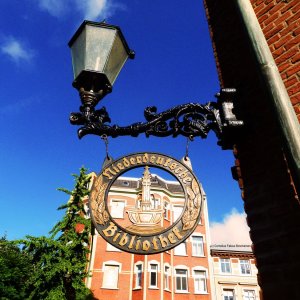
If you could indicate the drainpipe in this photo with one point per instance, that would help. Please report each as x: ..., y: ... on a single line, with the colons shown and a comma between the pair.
x: 285, y: 114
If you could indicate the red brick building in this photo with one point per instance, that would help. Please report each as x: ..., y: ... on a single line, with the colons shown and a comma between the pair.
x: 181, y: 273
x: 257, y: 51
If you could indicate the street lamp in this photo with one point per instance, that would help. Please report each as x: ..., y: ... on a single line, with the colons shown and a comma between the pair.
x: 99, y: 51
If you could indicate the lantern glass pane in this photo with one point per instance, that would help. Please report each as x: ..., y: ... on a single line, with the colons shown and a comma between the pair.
x: 78, y: 53
x: 91, y: 49
x: 98, y: 47
x: 117, y: 59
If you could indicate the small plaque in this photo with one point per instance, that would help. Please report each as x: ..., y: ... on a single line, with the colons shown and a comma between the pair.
x: 145, y: 230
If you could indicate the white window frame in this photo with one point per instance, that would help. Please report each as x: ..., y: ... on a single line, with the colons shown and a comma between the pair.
x: 228, y: 290
x: 222, y: 260
x: 111, y: 206
x: 203, y: 277
x: 181, y: 268
x: 247, y: 291
x: 114, y: 264
x: 166, y: 209
x: 173, y: 211
x: 155, y: 264
x: 180, y: 250
x: 200, y: 245
x: 138, y: 274
x: 245, y: 265
x: 111, y: 248
x: 167, y: 276
x: 155, y: 202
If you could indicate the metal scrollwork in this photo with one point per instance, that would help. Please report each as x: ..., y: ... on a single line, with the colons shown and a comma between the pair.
x: 190, y: 120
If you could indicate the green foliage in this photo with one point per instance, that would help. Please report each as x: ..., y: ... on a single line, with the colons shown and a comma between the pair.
x: 59, y: 261
x: 15, y: 266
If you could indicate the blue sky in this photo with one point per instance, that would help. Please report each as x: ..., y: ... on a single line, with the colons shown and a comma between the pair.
x: 40, y: 150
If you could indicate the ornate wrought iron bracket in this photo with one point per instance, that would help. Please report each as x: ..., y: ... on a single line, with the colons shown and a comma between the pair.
x: 190, y: 120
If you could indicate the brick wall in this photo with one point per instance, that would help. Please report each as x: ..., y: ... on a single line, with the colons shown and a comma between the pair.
x: 280, y: 22
x: 270, y: 200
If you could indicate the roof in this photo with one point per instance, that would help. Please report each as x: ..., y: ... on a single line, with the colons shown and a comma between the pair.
x: 173, y: 187
x: 231, y: 253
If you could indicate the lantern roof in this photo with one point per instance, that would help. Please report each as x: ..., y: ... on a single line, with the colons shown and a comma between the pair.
x: 130, y: 52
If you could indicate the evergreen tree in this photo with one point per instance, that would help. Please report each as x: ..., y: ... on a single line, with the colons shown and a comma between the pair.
x: 60, y: 260
x: 15, y: 266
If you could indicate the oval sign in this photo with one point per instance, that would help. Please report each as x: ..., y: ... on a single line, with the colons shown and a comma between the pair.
x: 145, y: 235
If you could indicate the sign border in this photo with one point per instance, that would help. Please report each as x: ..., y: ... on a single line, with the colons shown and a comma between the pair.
x: 148, y: 243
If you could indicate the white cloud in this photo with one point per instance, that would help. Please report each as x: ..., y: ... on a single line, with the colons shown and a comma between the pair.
x: 16, y: 50
x: 94, y: 10
x: 231, y: 233
x: 53, y: 7
x: 97, y: 10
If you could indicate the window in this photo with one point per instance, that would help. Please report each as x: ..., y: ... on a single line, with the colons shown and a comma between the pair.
x: 177, y: 210
x: 228, y: 295
x: 166, y: 277
x: 225, y: 265
x: 166, y: 208
x: 110, y: 247
x: 138, y: 275
x: 180, y: 249
x: 153, y: 275
x: 110, y: 276
x: 197, y: 246
x: 249, y: 295
x: 181, y: 280
x: 155, y: 203
x: 87, y: 213
x: 200, y: 281
x: 154, y: 180
x: 117, y: 209
x: 245, y: 267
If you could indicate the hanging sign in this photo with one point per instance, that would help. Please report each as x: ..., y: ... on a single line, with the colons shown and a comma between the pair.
x: 142, y: 221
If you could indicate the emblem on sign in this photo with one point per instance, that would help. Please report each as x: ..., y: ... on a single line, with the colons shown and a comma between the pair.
x: 138, y: 214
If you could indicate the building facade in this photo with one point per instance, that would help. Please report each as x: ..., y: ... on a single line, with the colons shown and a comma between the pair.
x: 256, y: 47
x: 181, y: 273
x: 235, y: 275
